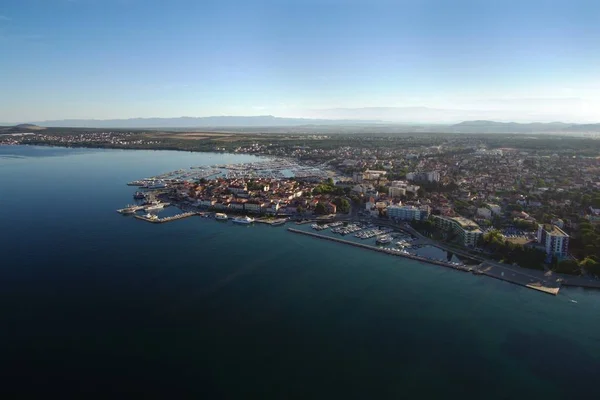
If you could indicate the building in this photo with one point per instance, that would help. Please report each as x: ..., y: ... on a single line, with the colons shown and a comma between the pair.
x: 431, y: 176
x: 394, y: 191
x: 255, y: 206
x: 408, y: 213
x: 404, y: 185
x: 554, y: 240
x: 370, y: 175
x: 467, y: 230
x: 496, y: 210
x: 330, y: 208
x: 236, y: 189
x: 484, y: 212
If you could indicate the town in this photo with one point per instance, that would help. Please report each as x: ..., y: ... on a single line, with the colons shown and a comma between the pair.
x: 530, y: 200
x: 535, y: 209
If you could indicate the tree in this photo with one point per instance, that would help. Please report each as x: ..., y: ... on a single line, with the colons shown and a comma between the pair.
x: 320, y: 208
x: 590, y: 265
x: 568, y: 267
x: 342, y: 205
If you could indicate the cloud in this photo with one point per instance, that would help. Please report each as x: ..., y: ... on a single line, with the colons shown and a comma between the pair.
x: 4, y: 18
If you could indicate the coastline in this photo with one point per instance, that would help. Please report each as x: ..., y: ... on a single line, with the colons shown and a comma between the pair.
x: 492, y: 271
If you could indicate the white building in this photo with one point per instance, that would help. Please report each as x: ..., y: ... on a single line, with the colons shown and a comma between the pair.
x: 408, y: 213
x: 430, y: 176
x: 554, y: 239
x: 467, y: 230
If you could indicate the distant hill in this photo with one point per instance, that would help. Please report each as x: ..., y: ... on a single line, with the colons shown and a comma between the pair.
x: 513, y: 127
x: 21, y: 128
x: 196, y: 122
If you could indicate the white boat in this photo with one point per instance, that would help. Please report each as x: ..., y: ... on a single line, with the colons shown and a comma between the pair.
x: 221, y: 217
x: 156, y: 185
x: 243, y: 220
x: 155, y: 207
x: 384, y: 240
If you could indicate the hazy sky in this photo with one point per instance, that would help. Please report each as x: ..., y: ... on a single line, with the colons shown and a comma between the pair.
x: 525, y: 59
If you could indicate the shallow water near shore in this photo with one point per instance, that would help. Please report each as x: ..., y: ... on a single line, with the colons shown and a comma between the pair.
x: 94, y: 301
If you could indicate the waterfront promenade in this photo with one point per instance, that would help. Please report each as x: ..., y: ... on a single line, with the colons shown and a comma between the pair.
x: 506, y: 274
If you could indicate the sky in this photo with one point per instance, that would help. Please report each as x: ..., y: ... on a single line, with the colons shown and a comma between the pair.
x: 510, y: 60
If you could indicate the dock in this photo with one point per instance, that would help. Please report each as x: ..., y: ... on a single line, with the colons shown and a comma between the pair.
x: 130, y: 210
x: 157, y: 220
x: 494, y: 271
x: 272, y: 222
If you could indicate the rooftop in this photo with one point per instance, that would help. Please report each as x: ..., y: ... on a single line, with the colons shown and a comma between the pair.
x: 466, y: 224
x: 554, y: 230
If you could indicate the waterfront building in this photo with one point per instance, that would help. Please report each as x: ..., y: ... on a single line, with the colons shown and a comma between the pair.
x: 207, y: 202
x: 237, y: 205
x: 255, y: 206
x: 554, y: 240
x: 273, y: 208
x: 408, y: 213
x: 467, y: 230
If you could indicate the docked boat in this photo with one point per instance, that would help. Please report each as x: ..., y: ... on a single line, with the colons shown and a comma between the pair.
x: 128, y: 210
x: 155, y: 206
x: 155, y: 185
x: 384, y: 240
x: 139, y: 195
x: 243, y: 220
x: 278, y: 223
x: 221, y: 217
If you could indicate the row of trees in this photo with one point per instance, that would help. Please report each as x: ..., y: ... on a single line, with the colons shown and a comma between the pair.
x: 526, y: 257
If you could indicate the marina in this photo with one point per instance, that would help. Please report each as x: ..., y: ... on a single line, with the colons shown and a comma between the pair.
x: 276, y: 169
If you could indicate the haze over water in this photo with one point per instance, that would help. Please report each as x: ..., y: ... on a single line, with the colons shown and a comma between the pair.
x: 96, y: 302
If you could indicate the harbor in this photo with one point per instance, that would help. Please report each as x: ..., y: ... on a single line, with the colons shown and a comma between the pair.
x: 269, y: 169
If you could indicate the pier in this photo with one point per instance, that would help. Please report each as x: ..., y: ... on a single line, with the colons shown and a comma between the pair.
x: 130, y: 210
x: 157, y: 220
x: 494, y: 271
x: 272, y: 222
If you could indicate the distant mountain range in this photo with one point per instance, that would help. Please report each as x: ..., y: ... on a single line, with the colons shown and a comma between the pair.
x: 272, y: 124
x: 513, y: 127
x: 196, y: 122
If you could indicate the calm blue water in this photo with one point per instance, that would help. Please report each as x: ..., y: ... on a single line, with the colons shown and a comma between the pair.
x: 95, y: 302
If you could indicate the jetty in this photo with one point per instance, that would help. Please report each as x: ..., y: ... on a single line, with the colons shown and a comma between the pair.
x: 130, y: 209
x: 155, y: 220
x: 487, y: 269
x: 272, y: 222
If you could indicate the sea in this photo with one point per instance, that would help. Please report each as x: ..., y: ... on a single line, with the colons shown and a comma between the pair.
x: 96, y: 303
